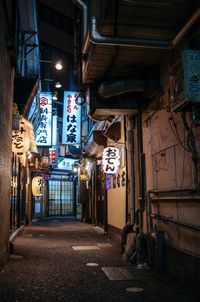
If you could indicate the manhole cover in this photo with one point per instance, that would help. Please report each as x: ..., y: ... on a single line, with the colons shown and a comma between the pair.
x: 118, y: 273
x: 92, y: 264
x: 85, y: 247
x: 135, y: 289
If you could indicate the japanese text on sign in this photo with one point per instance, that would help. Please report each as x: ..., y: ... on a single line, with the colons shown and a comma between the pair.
x: 43, y: 134
x: 111, y: 160
x: 71, y: 119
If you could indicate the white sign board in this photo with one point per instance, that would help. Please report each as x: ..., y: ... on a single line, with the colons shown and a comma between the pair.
x: 71, y: 134
x: 67, y: 163
x: 111, y: 160
x: 44, y: 131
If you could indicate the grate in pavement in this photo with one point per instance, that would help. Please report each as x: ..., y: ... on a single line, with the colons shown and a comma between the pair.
x: 118, y: 273
x: 104, y: 245
x: 85, y: 247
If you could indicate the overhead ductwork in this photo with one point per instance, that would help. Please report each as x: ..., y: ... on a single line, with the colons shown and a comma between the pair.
x: 113, y: 88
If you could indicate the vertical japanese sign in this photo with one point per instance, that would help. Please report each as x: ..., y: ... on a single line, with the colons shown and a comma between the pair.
x: 110, y: 160
x: 20, y: 140
x: 71, y: 134
x: 43, y: 134
x: 52, y: 156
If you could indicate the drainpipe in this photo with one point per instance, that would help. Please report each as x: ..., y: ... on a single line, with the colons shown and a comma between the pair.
x: 130, y: 166
x: 81, y: 4
x: 142, y: 174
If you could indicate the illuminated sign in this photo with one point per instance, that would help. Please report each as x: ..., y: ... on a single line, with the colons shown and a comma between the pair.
x: 52, y: 156
x: 67, y: 163
x: 110, y: 160
x: 43, y: 133
x: 71, y: 134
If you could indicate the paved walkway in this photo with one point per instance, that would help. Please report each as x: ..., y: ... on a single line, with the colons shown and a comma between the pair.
x: 50, y: 264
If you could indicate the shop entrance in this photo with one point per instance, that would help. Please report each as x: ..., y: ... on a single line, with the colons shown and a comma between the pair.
x: 62, y: 198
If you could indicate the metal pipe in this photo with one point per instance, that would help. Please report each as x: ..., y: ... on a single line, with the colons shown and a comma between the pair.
x: 186, y: 27
x: 172, y: 191
x: 188, y: 198
x: 82, y: 5
x: 130, y: 167
x: 183, y: 224
x: 97, y: 38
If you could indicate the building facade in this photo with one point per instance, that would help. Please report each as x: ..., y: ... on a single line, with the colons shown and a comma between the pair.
x: 146, y: 71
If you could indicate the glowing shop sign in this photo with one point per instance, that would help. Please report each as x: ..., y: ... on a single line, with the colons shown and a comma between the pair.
x: 71, y: 134
x: 111, y: 160
x: 67, y: 163
x: 38, y: 185
x: 52, y: 156
x: 43, y: 134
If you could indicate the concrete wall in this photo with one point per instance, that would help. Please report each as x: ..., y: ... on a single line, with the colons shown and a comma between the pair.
x: 169, y: 166
x: 6, y: 96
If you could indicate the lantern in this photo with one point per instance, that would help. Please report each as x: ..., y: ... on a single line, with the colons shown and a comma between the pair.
x: 38, y: 185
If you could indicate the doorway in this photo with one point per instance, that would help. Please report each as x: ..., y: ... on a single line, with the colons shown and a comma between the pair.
x: 62, y: 198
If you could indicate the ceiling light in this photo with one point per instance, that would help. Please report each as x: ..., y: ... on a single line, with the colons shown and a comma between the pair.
x: 59, y: 65
x: 58, y: 85
x: 55, y: 96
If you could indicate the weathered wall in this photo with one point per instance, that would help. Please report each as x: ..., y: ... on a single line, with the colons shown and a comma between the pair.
x: 170, y: 168
x: 116, y: 197
x: 6, y: 95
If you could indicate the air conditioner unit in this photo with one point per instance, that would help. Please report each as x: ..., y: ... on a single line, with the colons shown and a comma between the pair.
x: 185, y: 80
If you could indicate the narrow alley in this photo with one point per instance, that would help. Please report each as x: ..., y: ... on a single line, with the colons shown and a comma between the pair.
x: 62, y: 259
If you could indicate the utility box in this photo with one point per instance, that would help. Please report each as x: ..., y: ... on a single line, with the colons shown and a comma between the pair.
x: 185, y: 80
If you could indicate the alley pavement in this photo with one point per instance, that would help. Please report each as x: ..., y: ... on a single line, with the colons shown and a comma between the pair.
x: 70, y: 261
